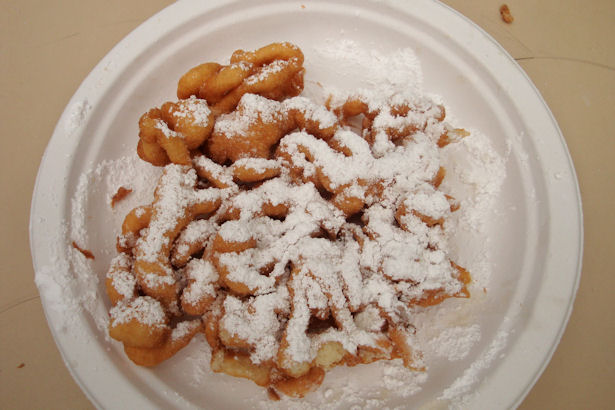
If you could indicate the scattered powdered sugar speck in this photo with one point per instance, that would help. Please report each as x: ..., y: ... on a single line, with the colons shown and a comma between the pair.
x: 77, y: 115
x: 459, y: 390
x: 397, y: 378
x: 73, y: 283
x: 455, y: 343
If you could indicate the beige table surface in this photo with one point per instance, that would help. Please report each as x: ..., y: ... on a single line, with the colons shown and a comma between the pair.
x: 565, y: 46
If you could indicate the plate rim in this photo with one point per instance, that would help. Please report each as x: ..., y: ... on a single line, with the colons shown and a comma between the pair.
x: 577, y: 194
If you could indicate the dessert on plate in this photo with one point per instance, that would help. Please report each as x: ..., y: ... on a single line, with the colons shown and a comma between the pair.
x: 296, y: 235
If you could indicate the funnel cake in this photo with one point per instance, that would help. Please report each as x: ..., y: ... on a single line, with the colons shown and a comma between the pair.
x: 296, y: 236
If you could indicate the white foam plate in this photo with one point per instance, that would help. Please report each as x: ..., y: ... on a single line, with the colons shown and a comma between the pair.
x: 535, y: 240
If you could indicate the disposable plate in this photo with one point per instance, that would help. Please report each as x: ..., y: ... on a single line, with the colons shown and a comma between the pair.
x: 535, y: 234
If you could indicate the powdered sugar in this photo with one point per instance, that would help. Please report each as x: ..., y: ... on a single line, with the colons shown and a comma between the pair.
x: 470, y: 377
x: 398, y: 70
x: 176, y: 194
x: 77, y: 115
x: 397, y: 378
x: 144, y: 309
x: 270, y: 70
x: 455, y: 343
x: 257, y: 324
x: 195, y: 110
x: 56, y: 285
x: 479, y: 169
x: 251, y: 107
x: 311, y: 111
x: 121, y: 279
x: 257, y: 165
x: 182, y: 329
x: 398, y: 65
x: 203, y: 277
x: 429, y: 202
x: 71, y: 283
